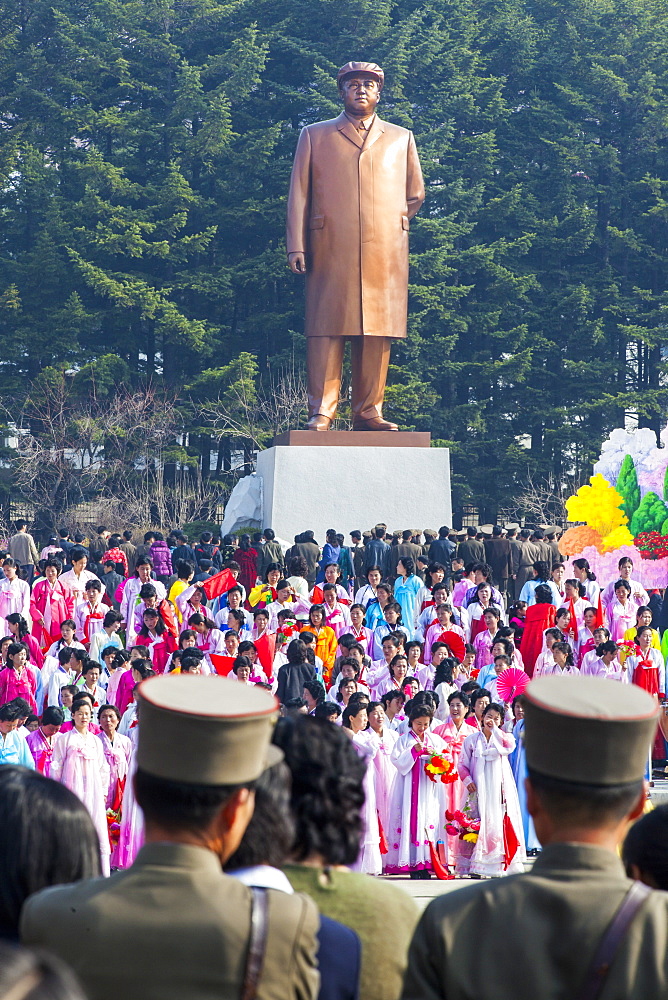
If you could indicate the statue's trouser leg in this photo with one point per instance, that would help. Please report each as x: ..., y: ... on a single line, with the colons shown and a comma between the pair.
x: 370, y: 358
x: 324, y: 361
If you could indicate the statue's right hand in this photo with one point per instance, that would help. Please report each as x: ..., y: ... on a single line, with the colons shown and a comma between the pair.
x: 297, y: 262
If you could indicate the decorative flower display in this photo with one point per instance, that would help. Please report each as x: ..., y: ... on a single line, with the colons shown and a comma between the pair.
x: 441, y: 767
x: 462, y: 826
x: 652, y: 545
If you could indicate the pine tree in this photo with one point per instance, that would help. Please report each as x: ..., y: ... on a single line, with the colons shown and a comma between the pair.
x: 650, y: 515
x: 627, y: 485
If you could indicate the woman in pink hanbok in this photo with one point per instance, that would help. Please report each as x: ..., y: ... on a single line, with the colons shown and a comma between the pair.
x: 117, y: 751
x: 545, y: 660
x: 621, y: 611
x: 51, y: 604
x: 385, y: 773
x: 337, y: 615
x: 131, y: 836
x: 418, y: 804
x: 564, y: 662
x: 453, y: 732
x: 492, y: 796
x: 42, y: 741
x: 18, y: 679
x: 354, y: 723
x: 78, y: 761
x: 18, y: 628
x: 358, y: 629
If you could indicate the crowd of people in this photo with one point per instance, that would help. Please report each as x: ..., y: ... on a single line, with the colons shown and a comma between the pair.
x: 411, y: 643
x: 395, y: 646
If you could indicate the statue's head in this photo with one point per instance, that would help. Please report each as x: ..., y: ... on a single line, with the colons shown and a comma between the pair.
x: 360, y: 84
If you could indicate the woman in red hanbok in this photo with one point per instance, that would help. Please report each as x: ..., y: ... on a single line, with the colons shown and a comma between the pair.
x: 539, y: 617
x: 51, y: 604
x: 453, y: 732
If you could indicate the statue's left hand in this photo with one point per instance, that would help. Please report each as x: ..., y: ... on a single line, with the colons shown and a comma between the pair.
x: 297, y: 262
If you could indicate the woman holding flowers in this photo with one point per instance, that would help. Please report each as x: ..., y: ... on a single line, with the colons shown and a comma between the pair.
x: 417, y: 814
x: 453, y: 732
x: 492, y: 798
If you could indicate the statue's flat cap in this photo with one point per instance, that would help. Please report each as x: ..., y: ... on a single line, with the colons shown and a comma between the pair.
x: 351, y: 68
x: 205, y: 730
x: 588, y: 730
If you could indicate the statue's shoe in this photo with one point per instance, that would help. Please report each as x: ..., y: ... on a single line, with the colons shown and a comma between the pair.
x: 374, y: 424
x: 318, y: 422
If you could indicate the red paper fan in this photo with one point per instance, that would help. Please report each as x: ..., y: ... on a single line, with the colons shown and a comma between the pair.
x: 455, y: 643
x: 511, y: 682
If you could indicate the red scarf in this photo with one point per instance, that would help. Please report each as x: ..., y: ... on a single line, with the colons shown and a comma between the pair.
x: 93, y: 616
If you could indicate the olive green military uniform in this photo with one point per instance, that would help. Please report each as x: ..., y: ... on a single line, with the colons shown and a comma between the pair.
x: 174, y: 927
x: 534, y: 935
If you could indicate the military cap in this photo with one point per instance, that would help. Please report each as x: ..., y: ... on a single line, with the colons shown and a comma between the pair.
x: 205, y: 730
x: 352, y: 68
x: 588, y: 730
x: 486, y: 529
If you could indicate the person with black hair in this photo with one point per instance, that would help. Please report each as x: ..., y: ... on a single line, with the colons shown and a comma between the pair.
x: 295, y: 674
x: 314, y: 694
x: 46, y: 838
x: 265, y: 847
x: 107, y: 637
x: 76, y: 578
x: 13, y: 746
x: 18, y: 679
x: 79, y: 762
x: 326, y: 799
x: 194, y: 783
x: 645, y: 849
x: 539, y: 617
x: 486, y: 774
x: 327, y: 711
x: 418, y: 802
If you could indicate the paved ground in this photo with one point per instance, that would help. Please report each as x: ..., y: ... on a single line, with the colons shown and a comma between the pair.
x: 423, y: 891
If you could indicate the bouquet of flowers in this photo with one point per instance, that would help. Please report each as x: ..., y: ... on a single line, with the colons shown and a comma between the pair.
x: 462, y: 826
x: 439, y: 766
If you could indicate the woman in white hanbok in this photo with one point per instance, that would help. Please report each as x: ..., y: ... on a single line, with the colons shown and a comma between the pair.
x: 488, y: 778
x: 418, y: 804
x: 385, y: 773
x: 354, y: 724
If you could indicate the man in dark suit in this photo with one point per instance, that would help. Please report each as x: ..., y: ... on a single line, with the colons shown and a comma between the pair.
x: 471, y: 550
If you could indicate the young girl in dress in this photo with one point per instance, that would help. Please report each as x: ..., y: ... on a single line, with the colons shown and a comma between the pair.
x: 159, y: 642
x: 545, y: 661
x: 358, y: 629
x: 646, y: 668
x: 492, y: 798
x: 418, y: 805
x: 78, y: 761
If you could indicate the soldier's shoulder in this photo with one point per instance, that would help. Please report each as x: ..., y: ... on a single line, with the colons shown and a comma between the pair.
x: 61, y: 902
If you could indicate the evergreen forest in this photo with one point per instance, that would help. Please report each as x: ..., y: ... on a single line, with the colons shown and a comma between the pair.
x: 145, y: 154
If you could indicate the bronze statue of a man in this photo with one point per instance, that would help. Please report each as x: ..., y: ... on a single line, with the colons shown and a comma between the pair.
x: 356, y: 184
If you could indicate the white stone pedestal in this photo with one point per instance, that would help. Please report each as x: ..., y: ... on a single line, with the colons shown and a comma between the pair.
x: 320, y: 487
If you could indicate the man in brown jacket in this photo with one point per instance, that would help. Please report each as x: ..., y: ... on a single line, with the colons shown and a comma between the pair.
x: 356, y: 184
